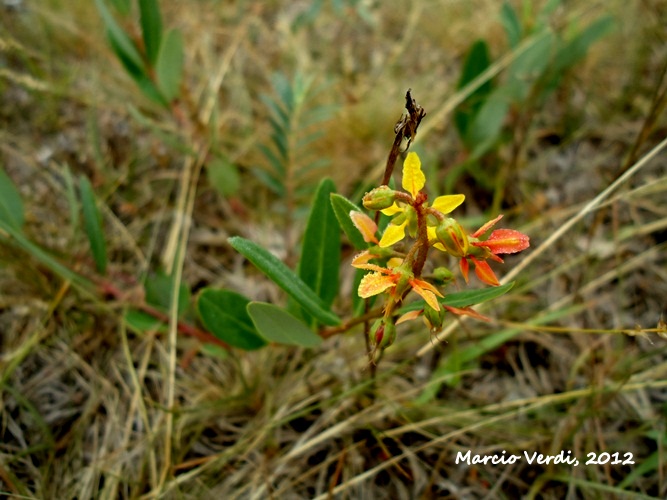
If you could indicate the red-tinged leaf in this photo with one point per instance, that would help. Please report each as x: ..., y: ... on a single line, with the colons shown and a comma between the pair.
x: 506, y: 241
x: 466, y: 311
x: 485, y: 273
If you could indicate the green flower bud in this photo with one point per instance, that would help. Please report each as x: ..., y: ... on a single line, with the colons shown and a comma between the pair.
x: 443, y: 275
x: 382, y: 334
x: 434, y: 318
x: 453, y: 237
x: 379, y: 198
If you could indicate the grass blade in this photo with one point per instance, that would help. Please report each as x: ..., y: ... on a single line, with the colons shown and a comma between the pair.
x: 93, y: 224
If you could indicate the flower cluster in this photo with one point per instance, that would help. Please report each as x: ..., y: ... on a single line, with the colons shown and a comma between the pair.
x: 428, y: 226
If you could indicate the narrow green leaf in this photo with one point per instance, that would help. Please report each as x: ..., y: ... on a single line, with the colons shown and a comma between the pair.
x: 320, y: 252
x: 283, y: 88
x: 151, y: 28
x: 92, y: 222
x: 120, y: 40
x: 72, y: 200
x: 279, y: 326
x: 511, y: 23
x: 224, y: 314
x: 223, y: 176
x: 484, y: 130
x: 285, y: 278
x: 575, y: 49
x: 342, y: 208
x: 11, y: 205
x: 122, y: 6
x: 169, y: 65
x: 463, y: 299
x: 529, y: 66
x: 476, y: 62
x: 19, y: 239
x: 158, y: 287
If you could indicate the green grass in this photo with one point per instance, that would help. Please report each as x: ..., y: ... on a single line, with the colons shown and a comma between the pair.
x: 572, y: 360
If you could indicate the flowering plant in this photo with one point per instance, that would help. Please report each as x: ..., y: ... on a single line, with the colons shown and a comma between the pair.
x: 429, y: 227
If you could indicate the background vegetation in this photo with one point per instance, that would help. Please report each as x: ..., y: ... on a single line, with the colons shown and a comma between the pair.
x: 133, y: 180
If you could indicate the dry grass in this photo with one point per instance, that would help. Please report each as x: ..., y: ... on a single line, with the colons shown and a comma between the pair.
x: 90, y: 409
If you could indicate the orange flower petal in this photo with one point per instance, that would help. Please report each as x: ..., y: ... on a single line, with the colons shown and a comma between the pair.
x: 486, y: 227
x: 466, y: 311
x: 465, y: 267
x: 375, y: 283
x: 505, y: 241
x: 426, y: 293
x: 409, y: 316
x: 366, y: 226
x: 485, y: 273
x: 361, y: 262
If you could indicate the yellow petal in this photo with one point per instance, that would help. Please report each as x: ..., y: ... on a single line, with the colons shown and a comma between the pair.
x: 428, y: 292
x: 374, y: 283
x: 413, y: 177
x: 394, y: 262
x: 365, y: 225
x: 393, y: 234
x: 394, y: 209
x: 447, y: 203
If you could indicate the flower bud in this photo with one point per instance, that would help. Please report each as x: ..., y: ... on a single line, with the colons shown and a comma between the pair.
x: 433, y: 318
x: 442, y: 275
x: 379, y: 198
x: 453, y: 237
x: 382, y: 334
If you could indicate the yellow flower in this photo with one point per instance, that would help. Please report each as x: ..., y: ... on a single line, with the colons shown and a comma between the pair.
x: 404, y: 214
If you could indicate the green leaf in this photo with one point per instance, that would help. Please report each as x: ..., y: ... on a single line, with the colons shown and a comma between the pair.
x: 223, y: 176
x: 463, y: 299
x: 120, y: 41
x: 285, y: 278
x: 169, y: 65
x: 476, y: 62
x: 142, y: 322
x: 277, y: 325
x: 92, y: 222
x: 19, y: 239
x: 342, y: 208
x: 72, y: 200
x: 11, y: 205
x: 511, y: 23
x: 529, y: 66
x: 151, y: 28
x: 486, y: 126
x: 576, y: 49
x: 158, y: 288
x: 320, y: 252
x: 122, y: 6
x: 224, y: 314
